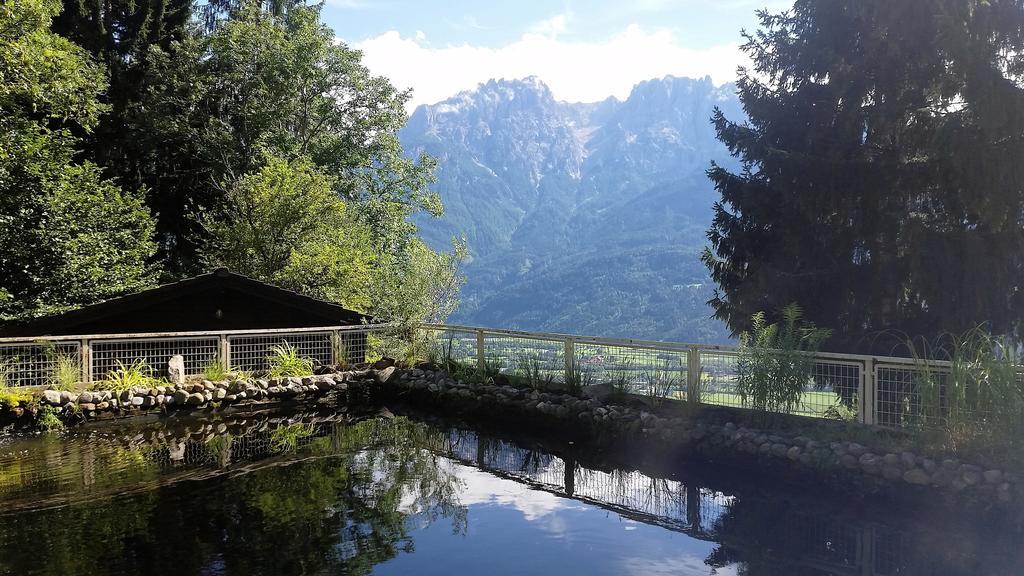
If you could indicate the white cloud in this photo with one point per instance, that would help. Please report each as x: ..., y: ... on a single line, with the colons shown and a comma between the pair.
x: 553, y: 26
x: 576, y: 71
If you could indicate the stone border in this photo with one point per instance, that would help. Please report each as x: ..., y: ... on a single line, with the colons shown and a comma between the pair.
x: 594, y: 413
x: 89, y: 405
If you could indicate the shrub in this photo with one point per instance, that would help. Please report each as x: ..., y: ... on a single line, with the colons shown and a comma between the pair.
x: 285, y: 361
x: 576, y: 378
x: 776, y: 360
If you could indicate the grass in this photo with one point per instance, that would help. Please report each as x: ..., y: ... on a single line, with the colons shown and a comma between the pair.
x: 67, y: 371
x: 216, y: 370
x: 528, y: 367
x: 340, y: 352
x: 285, y: 362
x: 128, y: 376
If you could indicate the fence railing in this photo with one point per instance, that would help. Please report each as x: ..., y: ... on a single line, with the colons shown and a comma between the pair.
x: 32, y: 362
x: 869, y: 389
x: 875, y: 390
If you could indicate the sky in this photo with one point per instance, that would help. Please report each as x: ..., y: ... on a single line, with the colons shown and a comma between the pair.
x: 584, y: 51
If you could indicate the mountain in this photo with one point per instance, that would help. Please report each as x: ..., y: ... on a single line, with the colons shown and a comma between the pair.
x: 580, y: 217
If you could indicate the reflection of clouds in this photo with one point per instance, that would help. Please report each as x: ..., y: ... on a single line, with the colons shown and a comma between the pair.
x: 673, y: 566
x: 480, y: 488
x: 483, y: 488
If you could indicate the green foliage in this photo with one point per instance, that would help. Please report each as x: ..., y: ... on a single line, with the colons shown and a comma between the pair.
x: 340, y: 352
x: 9, y: 397
x: 285, y: 225
x: 285, y: 361
x: 68, y: 236
x: 976, y: 401
x: 577, y: 378
x: 287, y: 438
x: 67, y: 370
x: 776, y: 363
x: 662, y: 381
x: 216, y: 370
x: 528, y: 367
x: 128, y: 376
x: 276, y: 84
x: 47, y: 419
x: 879, y: 167
x: 621, y: 381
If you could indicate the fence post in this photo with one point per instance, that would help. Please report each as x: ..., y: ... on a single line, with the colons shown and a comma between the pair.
x: 480, y: 363
x: 693, y: 375
x: 335, y: 346
x: 868, y: 392
x: 225, y: 351
x: 570, y: 359
x: 85, y: 357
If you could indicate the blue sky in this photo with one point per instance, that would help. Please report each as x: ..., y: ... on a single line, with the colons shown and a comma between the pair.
x: 584, y: 50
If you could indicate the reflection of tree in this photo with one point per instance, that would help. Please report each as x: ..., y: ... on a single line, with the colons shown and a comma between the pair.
x: 768, y: 537
x: 345, y: 503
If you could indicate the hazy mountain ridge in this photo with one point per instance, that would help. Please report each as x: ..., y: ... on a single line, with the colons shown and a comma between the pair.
x: 585, y: 218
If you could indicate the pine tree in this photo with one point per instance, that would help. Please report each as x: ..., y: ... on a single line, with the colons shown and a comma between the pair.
x: 882, y: 184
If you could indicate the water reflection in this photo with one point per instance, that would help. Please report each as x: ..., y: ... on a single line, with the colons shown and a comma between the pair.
x: 318, y: 494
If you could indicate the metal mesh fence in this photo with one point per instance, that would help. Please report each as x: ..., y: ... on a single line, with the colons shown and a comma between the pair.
x: 638, y: 370
x: 33, y: 364
x: 251, y: 353
x: 110, y: 355
x: 889, y: 392
x: 532, y: 360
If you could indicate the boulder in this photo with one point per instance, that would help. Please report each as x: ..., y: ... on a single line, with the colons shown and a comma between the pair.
x: 599, y: 392
x: 386, y: 375
x: 917, y: 477
x: 176, y: 369
x: 51, y: 397
x: 180, y: 397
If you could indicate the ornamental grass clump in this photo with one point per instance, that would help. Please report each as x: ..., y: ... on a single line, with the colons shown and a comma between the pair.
x: 138, y: 374
x: 776, y: 361
x: 285, y: 361
x: 968, y: 389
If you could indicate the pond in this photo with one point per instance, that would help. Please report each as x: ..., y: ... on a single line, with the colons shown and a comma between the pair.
x: 333, y: 494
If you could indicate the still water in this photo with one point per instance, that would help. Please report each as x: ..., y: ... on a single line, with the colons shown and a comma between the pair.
x: 323, y: 494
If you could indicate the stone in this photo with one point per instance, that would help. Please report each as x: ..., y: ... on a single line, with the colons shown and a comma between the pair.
x: 856, y: 449
x: 219, y: 394
x: 908, y: 460
x: 599, y: 392
x: 386, y: 375
x: 891, y: 460
x: 971, y: 477
x: 51, y: 397
x: 85, y: 397
x: 993, y: 476
x: 180, y: 397
x: 848, y: 461
x: 917, y: 477
x: 890, y: 472
x: 147, y: 401
x: 87, y: 407
x: 176, y: 369
x: 195, y: 399
x: 103, y: 405
x: 779, y: 449
x: 137, y: 401
x: 793, y: 453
